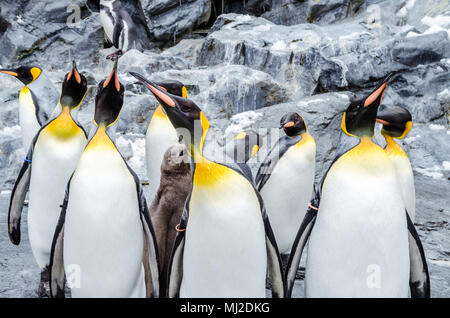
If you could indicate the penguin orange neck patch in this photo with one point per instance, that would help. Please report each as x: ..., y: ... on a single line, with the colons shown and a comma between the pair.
x: 101, y: 140
x: 159, y: 112
x: 63, y: 127
x: 208, y: 173
x: 392, y: 148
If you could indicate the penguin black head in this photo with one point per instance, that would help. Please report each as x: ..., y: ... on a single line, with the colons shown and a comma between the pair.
x: 359, y: 118
x: 109, y: 99
x: 293, y: 124
x: 74, y: 88
x: 183, y: 113
x: 25, y: 74
x: 173, y: 87
x: 396, y: 121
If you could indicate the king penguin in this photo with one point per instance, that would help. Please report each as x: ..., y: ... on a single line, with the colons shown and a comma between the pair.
x: 224, y: 244
x: 397, y: 122
x: 50, y: 161
x: 119, y: 27
x: 362, y: 243
x: 37, y: 99
x: 104, y: 234
x: 160, y: 136
x: 243, y: 146
x: 285, y: 180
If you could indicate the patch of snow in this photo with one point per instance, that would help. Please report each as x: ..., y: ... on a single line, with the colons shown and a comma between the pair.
x: 432, y: 172
x: 138, y: 158
x: 5, y: 192
x: 436, y: 127
x: 439, y: 262
x: 262, y: 28
x: 437, y: 24
x: 279, y: 46
x: 444, y: 96
x: 446, y: 165
x: 11, y: 132
x: 404, y: 10
x: 242, y: 121
x: 412, y: 138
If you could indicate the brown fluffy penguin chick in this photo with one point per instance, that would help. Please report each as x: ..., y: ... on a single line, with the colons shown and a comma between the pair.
x: 168, y: 204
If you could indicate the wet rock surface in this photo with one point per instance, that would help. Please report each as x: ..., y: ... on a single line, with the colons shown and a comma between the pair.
x: 255, y: 63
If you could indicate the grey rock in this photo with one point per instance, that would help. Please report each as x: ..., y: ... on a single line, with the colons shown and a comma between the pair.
x: 170, y: 20
x: 423, y: 49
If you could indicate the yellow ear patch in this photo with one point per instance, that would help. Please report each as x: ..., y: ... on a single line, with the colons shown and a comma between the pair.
x: 35, y: 72
x: 344, y: 126
x: 205, y: 126
x: 407, y: 129
x: 184, y: 92
x: 240, y: 136
x: 255, y: 149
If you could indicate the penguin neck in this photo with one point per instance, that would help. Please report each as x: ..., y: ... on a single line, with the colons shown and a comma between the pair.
x: 101, y: 140
x: 63, y: 126
x: 159, y: 113
x: 392, y: 148
x: 206, y: 172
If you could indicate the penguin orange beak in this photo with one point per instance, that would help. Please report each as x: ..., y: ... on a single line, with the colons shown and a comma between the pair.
x: 383, y: 122
x: 113, y: 77
x: 288, y: 124
x: 75, y: 73
x: 159, y: 92
x: 9, y: 72
x: 376, y: 97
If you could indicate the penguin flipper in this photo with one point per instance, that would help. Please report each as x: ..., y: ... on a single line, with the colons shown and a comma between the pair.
x: 175, y: 269
x: 18, y: 198
x: 151, y: 261
x: 297, y: 249
x: 272, y: 158
x: 56, y: 266
x: 419, y: 280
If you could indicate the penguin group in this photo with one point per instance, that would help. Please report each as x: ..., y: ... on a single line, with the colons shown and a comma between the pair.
x: 212, y: 229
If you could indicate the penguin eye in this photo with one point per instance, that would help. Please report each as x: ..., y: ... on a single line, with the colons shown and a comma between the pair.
x: 185, y: 108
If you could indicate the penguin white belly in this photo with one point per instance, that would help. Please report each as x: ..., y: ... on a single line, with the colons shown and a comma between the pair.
x: 103, y: 235
x: 27, y: 117
x: 107, y: 23
x: 225, y: 249
x: 53, y: 163
x: 359, y: 244
x: 159, y: 137
x: 406, y: 179
x: 287, y: 192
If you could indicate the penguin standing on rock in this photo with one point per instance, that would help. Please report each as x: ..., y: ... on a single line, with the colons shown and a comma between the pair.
x: 119, y: 27
x: 225, y: 243
x: 363, y: 243
x: 104, y: 227
x: 285, y: 180
x: 37, y: 99
x: 160, y: 136
x: 397, y: 122
x: 53, y: 155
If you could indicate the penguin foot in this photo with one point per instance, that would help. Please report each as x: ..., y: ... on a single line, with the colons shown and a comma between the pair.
x: 115, y: 56
x: 44, y: 285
